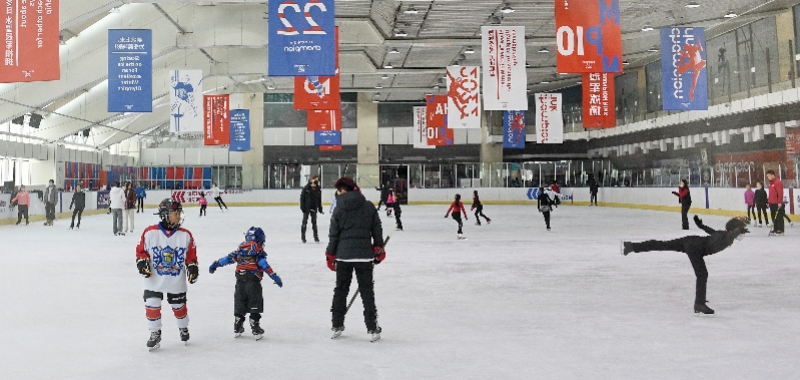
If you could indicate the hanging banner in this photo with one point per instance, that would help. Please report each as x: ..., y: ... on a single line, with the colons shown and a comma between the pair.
x: 302, y: 38
x: 30, y: 41
x: 514, y: 129
x: 421, y: 128
x: 549, y: 120
x: 319, y: 93
x: 437, y: 110
x: 598, y: 101
x: 683, y: 69
x: 463, y: 97
x: 505, y: 79
x: 324, y: 120
x: 328, y: 138
x: 217, y: 122
x: 588, y: 36
x: 186, y: 101
x: 130, y: 70
x: 240, y: 130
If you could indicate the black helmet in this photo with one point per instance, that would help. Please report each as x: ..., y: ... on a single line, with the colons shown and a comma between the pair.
x: 165, y: 207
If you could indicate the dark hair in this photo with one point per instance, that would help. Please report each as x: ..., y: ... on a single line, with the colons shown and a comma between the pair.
x: 735, y: 223
x: 202, y: 194
x: 770, y: 171
x: 685, y: 182
x: 458, y: 197
x: 116, y: 183
x: 475, y: 192
x: 346, y: 183
x: 760, y: 183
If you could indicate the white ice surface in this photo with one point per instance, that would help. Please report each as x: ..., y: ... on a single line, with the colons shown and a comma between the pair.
x: 512, y: 302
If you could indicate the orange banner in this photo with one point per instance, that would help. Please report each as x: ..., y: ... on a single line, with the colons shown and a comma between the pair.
x: 437, y: 110
x: 30, y: 41
x: 324, y: 120
x: 598, y: 101
x: 217, y: 121
x: 318, y: 93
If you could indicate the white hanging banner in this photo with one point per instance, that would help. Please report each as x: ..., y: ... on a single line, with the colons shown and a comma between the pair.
x: 421, y: 128
x: 505, y: 81
x: 549, y: 120
x: 186, y: 101
x: 463, y: 97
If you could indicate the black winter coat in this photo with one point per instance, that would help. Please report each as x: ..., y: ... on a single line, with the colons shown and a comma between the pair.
x: 761, y: 197
x: 715, y: 242
x: 355, y: 228
x: 311, y: 199
x: 385, y: 193
x: 78, y: 200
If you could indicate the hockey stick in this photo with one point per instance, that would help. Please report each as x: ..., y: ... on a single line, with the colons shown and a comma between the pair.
x: 358, y: 290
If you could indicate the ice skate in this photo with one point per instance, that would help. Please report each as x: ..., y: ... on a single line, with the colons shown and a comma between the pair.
x: 702, y: 308
x: 548, y: 228
x: 155, y: 340
x: 258, y: 332
x: 462, y: 237
x: 626, y: 247
x: 184, y: 334
x: 477, y: 223
x: 375, y: 334
x: 337, y: 332
x: 488, y: 221
x: 398, y: 228
x: 238, y: 327
x: 775, y: 233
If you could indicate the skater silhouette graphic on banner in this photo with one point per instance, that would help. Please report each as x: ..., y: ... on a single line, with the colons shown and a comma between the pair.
x: 186, y: 106
x: 682, y: 52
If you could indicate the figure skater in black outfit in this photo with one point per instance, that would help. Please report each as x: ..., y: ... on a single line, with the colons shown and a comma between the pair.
x: 478, y: 207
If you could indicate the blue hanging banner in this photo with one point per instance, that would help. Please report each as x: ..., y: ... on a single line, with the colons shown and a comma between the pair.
x: 240, y: 131
x: 130, y: 70
x: 328, y: 138
x: 302, y: 38
x: 514, y: 129
x: 683, y: 69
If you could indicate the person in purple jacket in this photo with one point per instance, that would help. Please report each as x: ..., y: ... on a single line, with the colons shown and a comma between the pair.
x: 750, y: 201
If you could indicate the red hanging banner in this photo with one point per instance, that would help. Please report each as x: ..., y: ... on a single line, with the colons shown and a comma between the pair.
x: 330, y: 148
x: 588, y: 36
x: 324, y: 120
x: 217, y: 122
x: 30, y: 41
x: 437, y: 110
x: 599, y: 109
x: 319, y: 93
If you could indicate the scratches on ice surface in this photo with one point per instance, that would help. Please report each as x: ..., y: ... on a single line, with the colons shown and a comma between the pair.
x: 512, y: 302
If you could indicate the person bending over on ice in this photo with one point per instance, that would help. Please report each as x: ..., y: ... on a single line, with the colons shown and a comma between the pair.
x: 696, y: 247
x: 164, y: 251
x: 251, y: 264
x: 354, y: 244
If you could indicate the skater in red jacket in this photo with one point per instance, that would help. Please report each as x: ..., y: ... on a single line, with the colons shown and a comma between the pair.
x: 457, y: 208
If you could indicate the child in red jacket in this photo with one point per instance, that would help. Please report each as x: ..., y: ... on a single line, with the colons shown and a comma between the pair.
x: 457, y: 208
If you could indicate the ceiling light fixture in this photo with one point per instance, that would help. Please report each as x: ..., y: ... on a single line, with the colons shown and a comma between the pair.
x: 270, y: 87
x: 544, y: 50
x: 384, y: 76
x: 731, y: 14
x: 411, y: 10
x: 394, y: 51
x: 507, y: 9
x: 462, y: 57
x: 647, y: 28
x: 692, y: 4
x: 378, y: 86
x: 625, y: 63
x: 469, y: 50
x: 527, y: 64
x: 388, y: 66
x: 400, y: 33
x: 61, y: 40
x: 114, y: 10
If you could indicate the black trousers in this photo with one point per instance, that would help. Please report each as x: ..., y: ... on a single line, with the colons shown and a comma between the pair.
x: 76, y: 212
x: 753, y: 210
x: 50, y: 211
x: 220, y: 202
x: 760, y: 210
x: 397, y: 212
x: 593, y: 199
x: 692, y: 247
x: 203, y: 210
x: 382, y: 202
x: 479, y: 212
x: 248, y: 296
x: 344, y: 275
x: 685, y: 215
x: 313, y: 223
x: 22, y: 210
x: 139, y: 204
x: 777, y: 217
x: 546, y: 215
x: 457, y: 217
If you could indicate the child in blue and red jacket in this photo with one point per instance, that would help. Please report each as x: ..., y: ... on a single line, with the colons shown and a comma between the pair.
x: 251, y: 264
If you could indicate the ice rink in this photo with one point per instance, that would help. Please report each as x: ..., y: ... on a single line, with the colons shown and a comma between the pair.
x: 512, y: 302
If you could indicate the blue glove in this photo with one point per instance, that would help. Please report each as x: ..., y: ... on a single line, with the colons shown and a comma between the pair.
x: 213, y: 267
x: 274, y: 276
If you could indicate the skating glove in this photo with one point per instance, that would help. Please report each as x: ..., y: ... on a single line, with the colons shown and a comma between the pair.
x: 213, y: 267
x: 274, y: 276
x: 320, y: 212
x: 331, y: 259
x: 380, y: 254
x: 144, y: 267
x: 192, y: 272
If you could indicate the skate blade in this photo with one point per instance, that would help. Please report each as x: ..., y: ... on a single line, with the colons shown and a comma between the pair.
x: 259, y: 336
x: 236, y: 335
x: 157, y: 346
x: 336, y: 335
x: 375, y: 338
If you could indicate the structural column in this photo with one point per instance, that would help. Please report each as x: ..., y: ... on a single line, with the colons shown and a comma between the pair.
x: 368, y: 147
x: 252, y: 160
x: 491, y: 156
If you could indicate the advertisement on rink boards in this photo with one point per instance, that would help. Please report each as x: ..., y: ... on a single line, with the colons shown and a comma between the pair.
x: 302, y: 39
x: 683, y: 69
x: 192, y: 196
x: 103, y: 199
x: 504, y: 75
x: 514, y: 129
x: 30, y: 41
x: 186, y: 101
x: 319, y: 93
x: 324, y: 120
x: 463, y: 97
x: 130, y: 70
x: 5, y: 207
x: 217, y: 122
x: 588, y: 36
x: 240, y: 130
x: 549, y: 119
x: 421, y: 128
x: 598, y: 101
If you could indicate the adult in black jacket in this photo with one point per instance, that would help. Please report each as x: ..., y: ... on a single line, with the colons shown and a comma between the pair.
x: 79, y: 201
x: 761, y: 203
x: 593, y: 189
x: 696, y: 247
x: 310, y: 204
x: 384, y: 195
x: 354, y: 243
